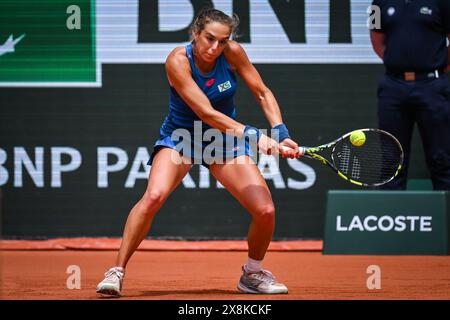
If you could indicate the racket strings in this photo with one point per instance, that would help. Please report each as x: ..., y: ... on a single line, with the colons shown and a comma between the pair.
x: 345, y: 159
x: 356, y: 169
x: 375, y: 162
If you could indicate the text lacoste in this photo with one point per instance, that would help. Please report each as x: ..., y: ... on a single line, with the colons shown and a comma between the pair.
x: 386, y: 223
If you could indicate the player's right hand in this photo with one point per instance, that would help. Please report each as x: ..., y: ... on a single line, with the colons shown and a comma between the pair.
x: 289, y: 149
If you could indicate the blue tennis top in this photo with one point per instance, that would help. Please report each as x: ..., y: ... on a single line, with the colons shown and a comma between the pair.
x: 219, y: 86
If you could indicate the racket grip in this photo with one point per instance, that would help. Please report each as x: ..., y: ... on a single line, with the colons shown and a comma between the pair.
x: 301, y: 149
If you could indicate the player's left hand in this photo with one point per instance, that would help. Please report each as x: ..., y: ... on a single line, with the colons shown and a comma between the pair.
x: 291, y: 151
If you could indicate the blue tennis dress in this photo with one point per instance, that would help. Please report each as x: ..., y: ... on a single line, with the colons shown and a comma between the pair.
x: 220, y: 87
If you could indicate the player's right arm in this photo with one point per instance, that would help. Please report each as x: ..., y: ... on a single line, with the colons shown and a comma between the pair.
x: 179, y: 74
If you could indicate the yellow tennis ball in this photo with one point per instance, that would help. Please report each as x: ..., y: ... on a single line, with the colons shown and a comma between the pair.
x: 357, y: 138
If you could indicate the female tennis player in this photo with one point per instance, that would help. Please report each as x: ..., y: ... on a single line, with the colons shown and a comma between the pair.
x: 202, y: 83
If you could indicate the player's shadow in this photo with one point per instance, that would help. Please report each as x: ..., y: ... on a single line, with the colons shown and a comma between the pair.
x: 157, y: 293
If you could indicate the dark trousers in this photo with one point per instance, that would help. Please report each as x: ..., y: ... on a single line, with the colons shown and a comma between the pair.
x: 401, y: 104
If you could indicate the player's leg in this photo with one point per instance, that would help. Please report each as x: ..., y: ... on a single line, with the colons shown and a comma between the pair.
x: 433, y: 119
x: 165, y: 175
x: 246, y: 184
x: 396, y: 116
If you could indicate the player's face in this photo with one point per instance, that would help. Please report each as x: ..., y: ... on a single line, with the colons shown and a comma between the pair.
x: 211, y: 41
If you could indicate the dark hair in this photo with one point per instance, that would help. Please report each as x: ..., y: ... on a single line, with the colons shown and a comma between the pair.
x: 208, y: 14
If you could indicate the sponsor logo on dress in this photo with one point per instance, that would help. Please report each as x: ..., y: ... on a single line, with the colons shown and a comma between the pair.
x: 224, y: 86
x: 210, y: 82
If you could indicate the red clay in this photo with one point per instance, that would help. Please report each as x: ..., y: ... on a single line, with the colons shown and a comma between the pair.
x: 214, y: 275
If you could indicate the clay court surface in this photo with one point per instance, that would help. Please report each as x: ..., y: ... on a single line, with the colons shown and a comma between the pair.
x: 204, y: 275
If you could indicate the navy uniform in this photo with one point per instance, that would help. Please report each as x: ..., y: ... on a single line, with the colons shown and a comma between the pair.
x: 415, y: 88
x: 220, y: 87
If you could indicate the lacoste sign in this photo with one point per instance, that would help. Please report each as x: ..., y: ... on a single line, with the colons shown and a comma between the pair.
x: 385, y: 223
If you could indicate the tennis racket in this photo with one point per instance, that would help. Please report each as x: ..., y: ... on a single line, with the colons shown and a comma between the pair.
x: 374, y: 163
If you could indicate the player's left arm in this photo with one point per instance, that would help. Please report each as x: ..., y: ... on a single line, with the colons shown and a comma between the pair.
x: 239, y: 60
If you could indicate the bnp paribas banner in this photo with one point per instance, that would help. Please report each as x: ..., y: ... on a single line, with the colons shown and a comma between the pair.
x: 83, y: 93
x: 66, y: 42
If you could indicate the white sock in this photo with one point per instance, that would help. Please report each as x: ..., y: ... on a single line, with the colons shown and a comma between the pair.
x: 120, y: 269
x: 253, y: 266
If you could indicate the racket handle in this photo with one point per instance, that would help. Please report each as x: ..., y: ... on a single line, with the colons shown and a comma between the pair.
x: 301, y: 149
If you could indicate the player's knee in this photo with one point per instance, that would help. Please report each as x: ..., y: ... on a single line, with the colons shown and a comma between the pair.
x: 152, y: 199
x: 265, y: 214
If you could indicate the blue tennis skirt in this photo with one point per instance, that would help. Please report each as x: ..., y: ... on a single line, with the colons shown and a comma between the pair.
x: 204, y: 152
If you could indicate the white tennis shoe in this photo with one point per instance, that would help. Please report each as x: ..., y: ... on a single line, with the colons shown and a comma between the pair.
x: 112, y: 284
x: 260, y: 282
